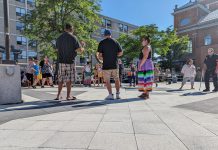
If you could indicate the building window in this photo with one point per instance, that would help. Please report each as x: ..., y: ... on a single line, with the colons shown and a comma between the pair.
x: 121, y: 27
x: 185, y: 21
x: 32, y: 43
x: 207, y: 40
x: 31, y: 2
x: 102, y: 31
x: 22, y: 1
x: 21, y: 40
x: 190, y: 46
x: 106, y: 23
x: 20, y: 11
x: 19, y: 26
x: 125, y: 28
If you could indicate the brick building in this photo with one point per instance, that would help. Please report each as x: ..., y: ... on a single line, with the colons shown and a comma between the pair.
x: 199, y: 20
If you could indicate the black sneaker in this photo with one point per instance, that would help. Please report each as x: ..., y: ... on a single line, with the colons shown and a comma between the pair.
x: 215, y: 90
x: 42, y: 87
x: 206, y: 90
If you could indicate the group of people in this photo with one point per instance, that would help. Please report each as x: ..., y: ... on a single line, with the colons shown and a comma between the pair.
x: 109, y: 50
x: 209, y: 70
x: 38, y: 73
x: 94, y: 76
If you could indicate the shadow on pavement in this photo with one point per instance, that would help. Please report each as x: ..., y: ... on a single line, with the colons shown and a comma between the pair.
x: 194, y: 94
x: 37, y: 108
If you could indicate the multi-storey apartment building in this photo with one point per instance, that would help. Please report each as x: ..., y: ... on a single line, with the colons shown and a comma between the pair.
x: 18, y: 8
x: 199, y: 20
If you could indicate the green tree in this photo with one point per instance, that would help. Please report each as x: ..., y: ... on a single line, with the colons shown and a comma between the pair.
x: 46, y: 22
x: 162, y: 42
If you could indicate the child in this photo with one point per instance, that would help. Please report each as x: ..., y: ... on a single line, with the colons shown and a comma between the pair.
x: 36, y: 73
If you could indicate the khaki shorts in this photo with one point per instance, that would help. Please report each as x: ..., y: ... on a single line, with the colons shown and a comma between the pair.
x: 66, y: 72
x: 107, y: 74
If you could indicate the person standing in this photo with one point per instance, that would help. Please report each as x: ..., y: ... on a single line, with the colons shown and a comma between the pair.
x: 67, y: 47
x: 110, y: 50
x: 121, y: 69
x: 209, y: 70
x: 29, y: 72
x: 189, y: 73
x: 47, y: 72
x: 36, y: 73
x: 145, y: 69
x: 132, y: 78
x: 87, y: 75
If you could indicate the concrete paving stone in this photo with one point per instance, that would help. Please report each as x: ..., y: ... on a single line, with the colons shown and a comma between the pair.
x: 17, y: 124
x: 113, y: 141
x: 144, y: 117
x: 116, y: 118
x: 4, y: 134
x: 47, y: 126
x: 189, y: 128
x: 88, y: 117
x: 200, y: 143
x: 24, y: 148
x: 121, y: 106
x: 70, y: 140
x: 213, y: 127
x: 139, y: 108
x: 151, y: 128
x: 77, y: 126
x: 116, y: 127
x: 96, y: 110
x: 26, y: 139
x: 159, y: 142
x: 62, y: 116
x: 115, y: 111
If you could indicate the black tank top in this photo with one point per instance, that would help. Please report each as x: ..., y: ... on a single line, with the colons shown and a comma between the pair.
x: 141, y: 55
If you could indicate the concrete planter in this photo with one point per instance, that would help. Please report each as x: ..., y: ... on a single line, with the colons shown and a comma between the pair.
x: 10, y: 84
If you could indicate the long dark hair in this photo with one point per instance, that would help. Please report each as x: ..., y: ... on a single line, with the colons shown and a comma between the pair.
x: 146, y: 38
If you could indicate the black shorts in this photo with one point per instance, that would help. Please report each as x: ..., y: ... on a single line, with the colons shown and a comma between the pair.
x: 46, y: 75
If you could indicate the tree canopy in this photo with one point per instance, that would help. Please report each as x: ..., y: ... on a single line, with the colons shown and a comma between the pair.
x: 47, y: 21
x: 162, y: 42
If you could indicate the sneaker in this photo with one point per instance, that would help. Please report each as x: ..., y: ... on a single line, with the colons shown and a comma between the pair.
x: 42, y: 87
x: 110, y: 97
x: 215, y: 90
x: 118, y: 96
x: 206, y: 90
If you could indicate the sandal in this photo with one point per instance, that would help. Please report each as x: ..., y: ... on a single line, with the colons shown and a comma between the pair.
x: 71, y: 98
x: 57, y: 99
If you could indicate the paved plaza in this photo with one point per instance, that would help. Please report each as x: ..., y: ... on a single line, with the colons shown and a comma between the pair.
x: 170, y: 120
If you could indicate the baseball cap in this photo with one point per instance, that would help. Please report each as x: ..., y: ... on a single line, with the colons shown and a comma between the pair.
x: 107, y: 32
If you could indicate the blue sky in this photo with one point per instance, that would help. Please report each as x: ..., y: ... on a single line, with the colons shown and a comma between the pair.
x: 141, y: 12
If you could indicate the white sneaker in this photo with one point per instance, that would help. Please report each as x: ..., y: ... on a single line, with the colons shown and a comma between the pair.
x: 110, y: 97
x: 118, y: 96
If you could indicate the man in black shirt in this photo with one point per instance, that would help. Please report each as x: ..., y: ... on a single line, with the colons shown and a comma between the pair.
x: 110, y: 50
x: 67, y: 46
x: 210, y: 63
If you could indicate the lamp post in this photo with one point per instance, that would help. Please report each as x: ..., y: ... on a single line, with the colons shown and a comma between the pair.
x: 6, y: 29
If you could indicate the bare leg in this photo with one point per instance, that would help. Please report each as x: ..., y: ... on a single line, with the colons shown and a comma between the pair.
x: 50, y: 81
x: 69, y: 85
x: 109, y: 88
x: 43, y: 81
x: 60, y: 86
x: 117, y: 85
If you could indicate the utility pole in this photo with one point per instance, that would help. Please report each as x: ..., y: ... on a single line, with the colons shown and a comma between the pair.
x: 6, y: 29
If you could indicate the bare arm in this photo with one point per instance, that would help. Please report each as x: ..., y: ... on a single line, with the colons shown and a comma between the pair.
x: 145, y: 56
x: 80, y: 50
